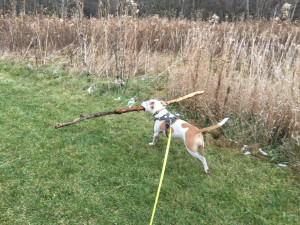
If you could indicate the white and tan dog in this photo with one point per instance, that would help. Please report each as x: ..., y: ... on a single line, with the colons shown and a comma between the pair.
x: 192, y: 136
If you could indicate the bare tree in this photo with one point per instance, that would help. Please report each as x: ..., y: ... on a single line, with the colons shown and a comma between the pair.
x: 295, y: 6
x: 247, y: 10
x: 233, y: 9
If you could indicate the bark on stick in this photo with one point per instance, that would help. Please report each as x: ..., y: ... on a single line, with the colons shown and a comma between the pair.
x: 123, y: 110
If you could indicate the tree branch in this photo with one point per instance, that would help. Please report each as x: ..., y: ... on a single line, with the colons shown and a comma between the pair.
x: 123, y: 110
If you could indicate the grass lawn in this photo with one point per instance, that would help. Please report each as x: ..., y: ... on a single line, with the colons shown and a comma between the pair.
x: 102, y: 171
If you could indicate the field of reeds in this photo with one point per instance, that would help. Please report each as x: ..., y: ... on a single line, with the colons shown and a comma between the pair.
x: 250, y: 71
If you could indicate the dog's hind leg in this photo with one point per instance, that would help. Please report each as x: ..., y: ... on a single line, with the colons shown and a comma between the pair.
x: 200, y: 157
x: 201, y: 146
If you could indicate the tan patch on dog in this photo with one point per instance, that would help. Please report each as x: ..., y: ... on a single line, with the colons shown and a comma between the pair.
x: 163, y: 127
x: 191, y: 136
x: 152, y: 105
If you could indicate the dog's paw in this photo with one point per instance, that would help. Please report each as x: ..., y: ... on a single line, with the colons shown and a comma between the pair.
x: 207, y: 171
x: 151, y: 143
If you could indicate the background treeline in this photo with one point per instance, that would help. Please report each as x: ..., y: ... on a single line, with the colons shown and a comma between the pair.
x: 230, y: 10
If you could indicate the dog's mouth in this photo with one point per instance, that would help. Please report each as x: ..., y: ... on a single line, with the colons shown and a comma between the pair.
x: 144, y: 104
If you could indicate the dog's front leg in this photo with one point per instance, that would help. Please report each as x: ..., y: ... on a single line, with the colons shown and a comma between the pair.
x: 156, y: 133
x: 155, y: 138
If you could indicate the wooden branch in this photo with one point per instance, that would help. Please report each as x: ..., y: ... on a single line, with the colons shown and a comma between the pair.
x: 123, y: 110
x: 184, y: 97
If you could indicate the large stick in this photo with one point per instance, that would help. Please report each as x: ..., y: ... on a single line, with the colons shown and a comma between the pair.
x: 124, y: 110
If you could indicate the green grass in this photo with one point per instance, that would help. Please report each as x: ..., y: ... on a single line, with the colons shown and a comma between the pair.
x: 102, y: 171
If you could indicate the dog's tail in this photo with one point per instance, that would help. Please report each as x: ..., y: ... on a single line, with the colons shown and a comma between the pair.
x: 214, y: 126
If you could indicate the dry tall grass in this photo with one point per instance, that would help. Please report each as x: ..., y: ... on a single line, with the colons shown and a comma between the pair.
x: 249, y: 71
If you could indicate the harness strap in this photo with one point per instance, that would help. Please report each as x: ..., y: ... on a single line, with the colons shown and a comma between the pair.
x: 169, y: 120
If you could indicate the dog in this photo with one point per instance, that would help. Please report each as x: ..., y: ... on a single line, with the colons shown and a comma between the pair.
x: 192, y: 136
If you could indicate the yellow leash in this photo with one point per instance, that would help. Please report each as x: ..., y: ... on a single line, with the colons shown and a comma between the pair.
x: 162, y: 175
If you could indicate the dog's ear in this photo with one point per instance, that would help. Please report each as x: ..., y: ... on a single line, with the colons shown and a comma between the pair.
x: 152, y: 105
x: 163, y: 103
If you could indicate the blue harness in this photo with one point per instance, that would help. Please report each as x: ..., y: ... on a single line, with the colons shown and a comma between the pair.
x: 169, y: 120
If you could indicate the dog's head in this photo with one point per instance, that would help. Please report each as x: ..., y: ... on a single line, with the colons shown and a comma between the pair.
x: 153, y: 105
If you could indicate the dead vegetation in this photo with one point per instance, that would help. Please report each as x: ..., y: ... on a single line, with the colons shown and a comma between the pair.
x: 249, y: 71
